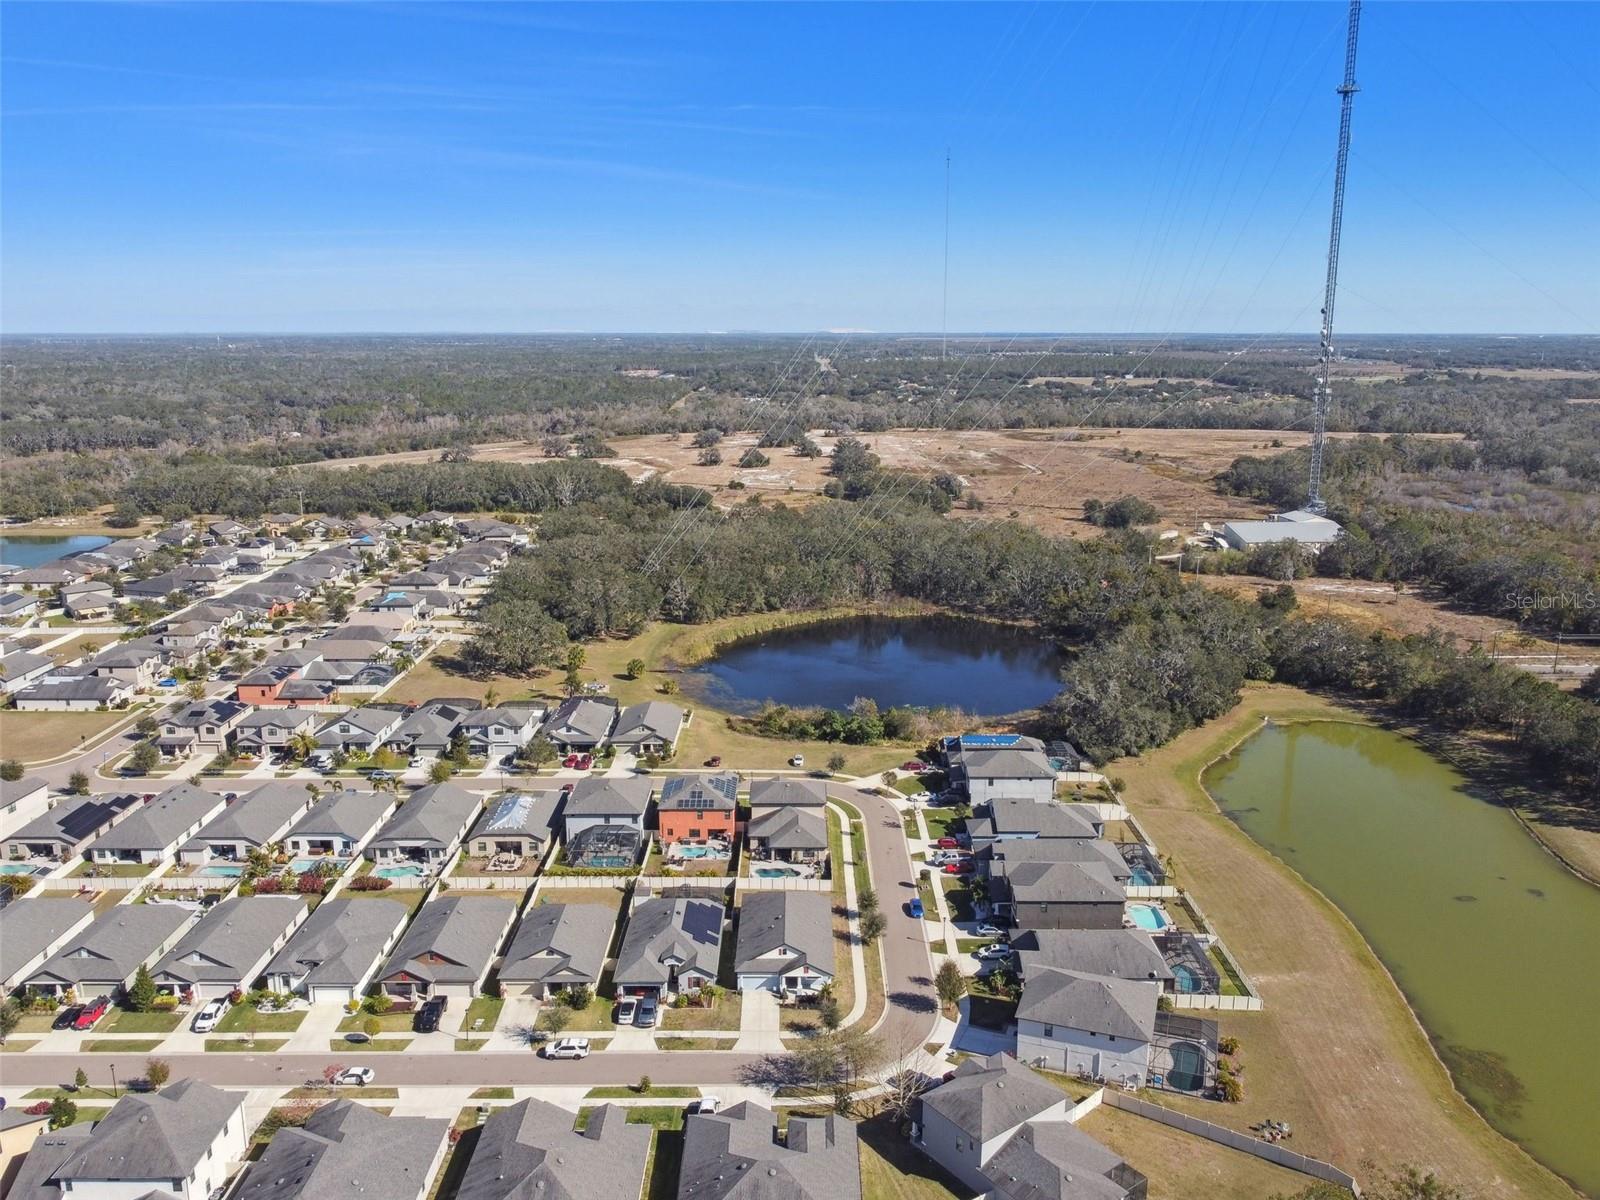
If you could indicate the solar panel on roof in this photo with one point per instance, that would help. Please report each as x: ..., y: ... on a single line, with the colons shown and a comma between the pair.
x: 82, y: 821
x: 703, y: 922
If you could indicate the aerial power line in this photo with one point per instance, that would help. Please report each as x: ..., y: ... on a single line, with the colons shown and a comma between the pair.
x: 1323, y: 392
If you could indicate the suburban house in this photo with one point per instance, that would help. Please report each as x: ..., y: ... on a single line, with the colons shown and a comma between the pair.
x: 269, y: 731
x: 136, y: 664
x: 519, y: 823
x: 339, y: 825
x: 1010, y: 773
x: 1013, y: 818
x: 15, y: 606
x: 159, y: 587
x: 581, y: 724
x: 92, y: 602
x: 427, y: 828
x: 428, y: 731
x: 697, y: 808
x: 63, y: 831
x: 154, y: 831
x: 790, y: 834
x: 496, y: 734
x: 360, y: 729
x: 205, y: 726
x: 557, y: 946
x: 253, y: 822
x: 83, y: 694
x: 1088, y: 1025
x: 670, y: 946
x: 190, y: 635
x: 181, y: 1142
x: 649, y: 728
x: 785, y: 942
x: 335, y: 954
x: 103, y: 959
x: 349, y: 1149
x: 530, y: 1149
x: 19, y: 1130
x: 1004, y: 1134
x: 1115, y: 953
x: 280, y: 682
x: 449, y: 948
x: 788, y: 793
x: 601, y: 800
x: 740, y: 1151
x: 230, y: 948
x: 21, y: 801
x: 998, y: 857
x: 31, y: 930
x: 1054, y: 895
x: 20, y: 668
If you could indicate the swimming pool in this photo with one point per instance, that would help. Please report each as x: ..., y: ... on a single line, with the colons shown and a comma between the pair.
x: 225, y: 870
x: 301, y: 865
x: 1139, y: 877
x: 682, y: 851
x: 405, y: 871
x: 14, y: 868
x: 1186, y: 980
x: 775, y: 872
x: 1148, y: 916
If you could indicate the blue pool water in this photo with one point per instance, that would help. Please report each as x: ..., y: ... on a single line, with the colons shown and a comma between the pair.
x: 1139, y: 877
x: 408, y: 871
x: 697, y: 852
x: 1147, y: 916
x: 18, y: 869
x: 226, y: 871
x: 301, y: 865
x: 1185, y: 980
x: 774, y: 872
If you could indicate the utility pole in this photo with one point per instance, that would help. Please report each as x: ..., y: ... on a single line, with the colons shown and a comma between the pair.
x: 1323, y: 391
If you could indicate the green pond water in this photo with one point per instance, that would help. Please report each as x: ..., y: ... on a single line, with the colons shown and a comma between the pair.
x: 1494, y: 944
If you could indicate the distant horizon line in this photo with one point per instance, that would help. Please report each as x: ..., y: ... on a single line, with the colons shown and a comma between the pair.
x: 932, y: 335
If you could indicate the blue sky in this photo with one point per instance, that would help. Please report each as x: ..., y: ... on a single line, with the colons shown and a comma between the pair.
x: 503, y: 167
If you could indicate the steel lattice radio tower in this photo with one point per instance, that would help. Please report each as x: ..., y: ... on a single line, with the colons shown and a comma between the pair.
x: 1323, y: 392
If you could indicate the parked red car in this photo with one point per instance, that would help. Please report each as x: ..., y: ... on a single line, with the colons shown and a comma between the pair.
x: 964, y: 867
x: 948, y: 843
x: 91, y: 1013
x: 714, y: 761
x: 913, y: 765
x: 585, y: 761
x: 570, y: 760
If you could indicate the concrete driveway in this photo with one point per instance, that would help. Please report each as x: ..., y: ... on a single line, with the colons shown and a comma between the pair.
x: 759, y: 1024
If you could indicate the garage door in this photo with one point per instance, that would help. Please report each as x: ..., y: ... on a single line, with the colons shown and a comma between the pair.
x: 751, y: 983
x: 329, y: 995
x: 522, y: 991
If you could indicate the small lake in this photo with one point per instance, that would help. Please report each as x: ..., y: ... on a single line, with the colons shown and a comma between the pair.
x: 933, y: 661
x: 1493, y: 943
x: 31, y: 551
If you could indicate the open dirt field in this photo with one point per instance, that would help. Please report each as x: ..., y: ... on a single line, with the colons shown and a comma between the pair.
x: 1337, y: 1053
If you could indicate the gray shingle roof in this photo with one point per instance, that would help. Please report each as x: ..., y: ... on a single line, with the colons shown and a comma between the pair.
x: 688, y: 930
x: 790, y: 829
x: 437, y: 813
x: 519, y: 814
x: 564, y: 941
x: 1115, y: 1007
x: 115, y: 945
x: 584, y: 716
x: 1044, y: 818
x: 600, y: 796
x: 1008, y: 852
x: 347, y: 813
x: 1052, y: 1160
x: 225, y: 946
x: 529, y: 1150
x: 735, y: 1153
x: 258, y: 816
x: 28, y: 925
x: 347, y: 1150
x: 652, y: 719
x: 162, y: 821
x: 800, y: 921
x: 988, y: 1096
x: 452, y: 940
x: 341, y: 942
x: 803, y: 793
x: 1120, y: 953
x: 1007, y: 764
x: 1063, y: 883
x: 158, y: 1135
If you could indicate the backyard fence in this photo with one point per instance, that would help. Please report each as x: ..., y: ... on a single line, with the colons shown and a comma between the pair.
x: 1273, y: 1152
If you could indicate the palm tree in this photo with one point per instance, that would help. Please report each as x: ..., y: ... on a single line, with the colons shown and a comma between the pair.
x: 302, y: 745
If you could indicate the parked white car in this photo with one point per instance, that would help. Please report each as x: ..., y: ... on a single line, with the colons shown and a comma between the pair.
x: 357, y: 1077
x: 568, y: 1048
x: 207, y: 1018
x: 996, y: 951
x: 704, y: 1106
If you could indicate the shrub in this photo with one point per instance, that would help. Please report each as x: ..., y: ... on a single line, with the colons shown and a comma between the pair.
x: 164, y: 1003
x: 156, y: 1072
x: 372, y: 1027
x: 370, y: 883
x: 268, y: 885
x: 311, y: 884
x: 39, y: 1109
x: 1228, y: 1045
x: 1230, y: 1089
x: 577, y: 997
x: 380, y: 1003
x: 63, y: 1112
x: 643, y: 1085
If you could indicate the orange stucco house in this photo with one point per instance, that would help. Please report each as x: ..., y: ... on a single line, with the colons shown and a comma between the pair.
x: 697, y: 808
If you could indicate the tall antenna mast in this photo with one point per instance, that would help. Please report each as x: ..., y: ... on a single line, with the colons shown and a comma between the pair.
x: 944, y: 314
x: 1323, y: 392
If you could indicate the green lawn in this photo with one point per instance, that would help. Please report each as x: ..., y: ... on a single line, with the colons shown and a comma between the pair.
x: 972, y: 945
x: 121, y: 1020
x: 942, y: 821
x: 692, y: 1043
x: 390, y: 1022
x: 655, y: 1093
x: 112, y: 870
x: 242, y: 1018
x: 1232, y: 985
x: 241, y: 1046
x: 377, y: 1045
x: 343, y: 1093
x: 723, y: 1014
x: 493, y: 1093
x: 13, y: 1046
x: 892, y: 1169
x: 930, y: 910
x: 122, y: 1045
x: 958, y: 896
x: 485, y: 1009
x: 909, y: 785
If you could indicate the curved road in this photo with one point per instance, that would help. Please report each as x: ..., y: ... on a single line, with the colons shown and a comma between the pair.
x: 907, y: 1023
